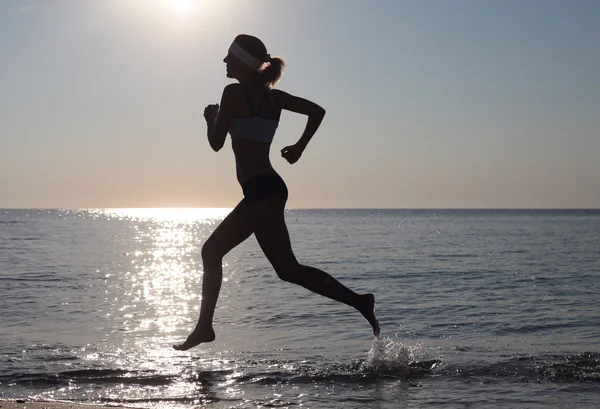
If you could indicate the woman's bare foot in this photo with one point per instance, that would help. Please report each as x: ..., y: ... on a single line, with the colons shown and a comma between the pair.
x: 367, y: 309
x: 197, y: 337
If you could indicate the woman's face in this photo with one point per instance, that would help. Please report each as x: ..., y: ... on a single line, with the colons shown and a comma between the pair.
x: 234, y: 67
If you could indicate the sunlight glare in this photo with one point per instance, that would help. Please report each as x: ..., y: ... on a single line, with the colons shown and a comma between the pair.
x: 174, y: 15
x: 167, y: 214
x: 182, y: 8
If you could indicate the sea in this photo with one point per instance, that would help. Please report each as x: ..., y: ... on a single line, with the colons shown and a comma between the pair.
x: 478, y: 309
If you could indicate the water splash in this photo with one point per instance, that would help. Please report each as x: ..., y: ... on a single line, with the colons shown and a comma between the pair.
x: 388, y: 356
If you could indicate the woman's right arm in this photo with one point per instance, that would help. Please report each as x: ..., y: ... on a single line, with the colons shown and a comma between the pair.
x: 218, y: 118
x: 303, y: 106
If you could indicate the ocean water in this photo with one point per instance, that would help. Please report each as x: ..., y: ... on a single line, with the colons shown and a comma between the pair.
x: 479, y: 309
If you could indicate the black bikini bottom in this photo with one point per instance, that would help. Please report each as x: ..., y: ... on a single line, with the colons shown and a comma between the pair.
x: 265, y: 186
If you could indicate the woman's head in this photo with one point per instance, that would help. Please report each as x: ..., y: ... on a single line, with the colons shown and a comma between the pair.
x: 248, y: 60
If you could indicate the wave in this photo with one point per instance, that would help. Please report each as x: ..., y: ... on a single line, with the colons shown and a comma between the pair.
x: 386, y: 359
x: 581, y: 367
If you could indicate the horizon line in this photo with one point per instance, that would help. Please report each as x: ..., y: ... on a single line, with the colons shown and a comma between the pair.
x: 308, y: 208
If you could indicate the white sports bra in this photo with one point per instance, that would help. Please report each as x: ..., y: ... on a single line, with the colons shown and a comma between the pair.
x: 255, y: 127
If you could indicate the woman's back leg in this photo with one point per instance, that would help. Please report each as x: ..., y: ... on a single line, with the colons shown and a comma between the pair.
x: 273, y: 237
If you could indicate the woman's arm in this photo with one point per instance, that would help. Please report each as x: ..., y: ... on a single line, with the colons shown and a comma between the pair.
x: 303, y: 106
x: 218, y: 118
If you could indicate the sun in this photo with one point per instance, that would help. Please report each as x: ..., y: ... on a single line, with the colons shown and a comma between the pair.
x: 182, y: 8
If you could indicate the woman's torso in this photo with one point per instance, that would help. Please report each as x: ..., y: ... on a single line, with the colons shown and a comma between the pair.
x: 255, y: 119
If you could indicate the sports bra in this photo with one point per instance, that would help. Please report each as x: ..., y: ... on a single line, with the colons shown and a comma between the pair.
x: 254, y: 127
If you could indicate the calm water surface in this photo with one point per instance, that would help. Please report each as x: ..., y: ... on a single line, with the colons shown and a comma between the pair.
x: 479, y: 308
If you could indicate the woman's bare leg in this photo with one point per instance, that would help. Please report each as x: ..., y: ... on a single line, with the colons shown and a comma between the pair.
x: 233, y: 230
x: 273, y: 237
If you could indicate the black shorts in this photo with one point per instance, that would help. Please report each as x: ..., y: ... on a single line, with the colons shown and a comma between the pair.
x: 265, y: 186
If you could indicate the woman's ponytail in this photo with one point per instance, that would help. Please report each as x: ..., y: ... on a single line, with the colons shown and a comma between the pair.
x: 271, y: 73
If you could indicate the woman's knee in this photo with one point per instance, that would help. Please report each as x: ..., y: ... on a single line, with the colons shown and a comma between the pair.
x: 289, y: 272
x: 210, y: 253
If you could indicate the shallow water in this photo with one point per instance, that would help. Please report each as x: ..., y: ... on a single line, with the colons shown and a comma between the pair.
x: 478, y: 309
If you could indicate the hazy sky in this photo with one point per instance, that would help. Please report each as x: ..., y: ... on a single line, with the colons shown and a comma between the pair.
x: 433, y: 104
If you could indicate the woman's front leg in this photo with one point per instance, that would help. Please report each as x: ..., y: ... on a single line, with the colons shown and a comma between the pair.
x: 233, y: 230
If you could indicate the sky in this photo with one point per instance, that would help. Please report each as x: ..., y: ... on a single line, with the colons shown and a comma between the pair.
x: 430, y: 104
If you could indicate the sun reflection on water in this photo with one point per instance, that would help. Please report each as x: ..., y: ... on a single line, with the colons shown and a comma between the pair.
x: 166, y: 267
x: 153, y: 298
x: 166, y: 214
x: 158, y: 289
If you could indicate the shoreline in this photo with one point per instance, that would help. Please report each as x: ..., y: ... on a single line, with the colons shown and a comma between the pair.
x: 21, y: 403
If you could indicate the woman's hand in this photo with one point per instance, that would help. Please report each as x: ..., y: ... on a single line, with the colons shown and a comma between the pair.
x: 210, y: 113
x: 292, y: 153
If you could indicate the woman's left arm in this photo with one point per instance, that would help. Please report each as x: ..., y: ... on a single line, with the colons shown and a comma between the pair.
x: 218, y: 118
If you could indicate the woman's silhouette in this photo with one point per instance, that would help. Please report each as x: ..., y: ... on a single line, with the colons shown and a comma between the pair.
x: 250, y: 111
